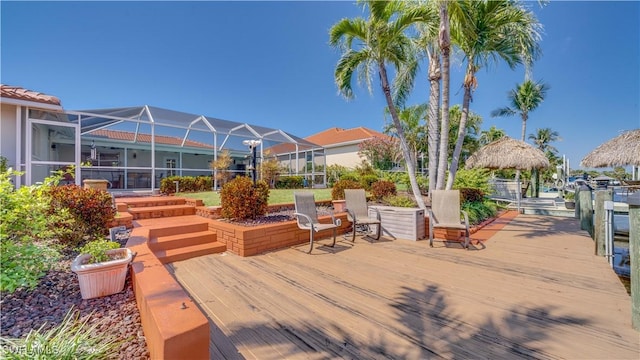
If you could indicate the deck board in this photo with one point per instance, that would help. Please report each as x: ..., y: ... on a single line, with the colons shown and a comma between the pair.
x: 536, y: 291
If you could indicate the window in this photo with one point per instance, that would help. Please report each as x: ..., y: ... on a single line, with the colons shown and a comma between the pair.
x: 170, y: 164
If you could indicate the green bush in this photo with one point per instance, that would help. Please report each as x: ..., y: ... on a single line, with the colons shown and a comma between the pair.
x: 334, y: 172
x: 337, y: 193
x: 25, y: 230
x: 351, y: 175
x: 23, y: 264
x: 367, y: 180
x: 84, y: 213
x: 473, y: 179
x: 399, y: 201
x: 569, y: 196
x: 98, y: 250
x: 186, y: 184
x: 22, y: 211
x: 71, y: 339
x: 383, y: 188
x: 241, y: 200
x: 403, y: 178
x: 480, y: 211
x: 393, y: 176
x: 290, y: 182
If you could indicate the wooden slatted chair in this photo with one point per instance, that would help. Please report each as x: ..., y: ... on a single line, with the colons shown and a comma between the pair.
x: 307, y: 217
x: 445, y: 213
x: 358, y: 213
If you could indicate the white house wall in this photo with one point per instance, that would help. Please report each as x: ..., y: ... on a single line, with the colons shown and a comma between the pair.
x: 8, y: 137
x: 346, y: 155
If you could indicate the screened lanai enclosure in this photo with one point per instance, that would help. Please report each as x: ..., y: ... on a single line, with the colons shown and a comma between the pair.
x: 134, y: 148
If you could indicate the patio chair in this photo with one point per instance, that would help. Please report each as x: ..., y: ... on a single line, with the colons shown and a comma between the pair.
x: 358, y: 214
x: 445, y: 213
x: 307, y: 217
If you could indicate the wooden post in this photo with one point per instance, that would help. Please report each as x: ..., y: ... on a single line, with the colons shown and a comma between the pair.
x: 634, y: 253
x: 586, y: 210
x: 599, y: 234
x: 576, y: 198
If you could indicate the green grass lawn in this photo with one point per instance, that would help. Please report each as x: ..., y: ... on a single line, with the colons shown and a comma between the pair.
x: 276, y: 196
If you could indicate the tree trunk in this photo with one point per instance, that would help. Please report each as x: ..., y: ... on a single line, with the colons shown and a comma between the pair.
x: 400, y: 130
x: 462, y: 130
x: 445, y: 43
x: 433, y: 125
x: 524, y: 131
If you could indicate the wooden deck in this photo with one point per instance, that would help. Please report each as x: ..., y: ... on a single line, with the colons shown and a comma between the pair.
x: 536, y: 291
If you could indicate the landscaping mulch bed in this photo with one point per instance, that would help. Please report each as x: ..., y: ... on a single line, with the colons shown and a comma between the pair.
x: 57, y: 293
x: 279, y: 216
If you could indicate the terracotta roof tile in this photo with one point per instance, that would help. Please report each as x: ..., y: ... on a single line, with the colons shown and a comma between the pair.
x: 338, y: 136
x: 332, y: 136
x: 146, y: 138
x: 18, y: 93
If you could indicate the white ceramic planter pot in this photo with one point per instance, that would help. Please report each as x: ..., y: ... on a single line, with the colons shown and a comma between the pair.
x: 101, y: 279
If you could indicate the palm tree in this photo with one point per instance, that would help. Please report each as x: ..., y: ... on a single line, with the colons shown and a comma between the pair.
x: 491, y: 135
x: 474, y: 122
x: 411, y: 118
x: 444, y: 41
x: 486, y: 31
x: 543, y: 139
x: 525, y: 98
x: 369, y: 46
x: 427, y: 44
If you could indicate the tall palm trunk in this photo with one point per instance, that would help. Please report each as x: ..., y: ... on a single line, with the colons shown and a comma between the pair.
x: 406, y: 152
x: 462, y: 129
x: 433, y: 126
x: 524, y: 131
x: 445, y: 44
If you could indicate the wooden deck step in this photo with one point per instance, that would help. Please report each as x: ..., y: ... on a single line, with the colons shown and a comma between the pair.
x: 188, y: 252
x: 161, y: 211
x: 182, y: 240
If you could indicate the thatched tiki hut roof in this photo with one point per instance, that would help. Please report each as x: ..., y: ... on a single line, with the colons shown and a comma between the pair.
x: 508, y: 153
x: 620, y: 151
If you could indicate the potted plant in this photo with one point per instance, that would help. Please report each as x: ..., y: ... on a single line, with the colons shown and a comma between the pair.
x: 101, y: 268
x: 569, y: 200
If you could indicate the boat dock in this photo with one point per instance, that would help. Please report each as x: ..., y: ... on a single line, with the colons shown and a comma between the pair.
x: 534, y: 290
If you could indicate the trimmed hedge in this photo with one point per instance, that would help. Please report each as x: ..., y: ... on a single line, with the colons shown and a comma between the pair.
x: 186, y: 184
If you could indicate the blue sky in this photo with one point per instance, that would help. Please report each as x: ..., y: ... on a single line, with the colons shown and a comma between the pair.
x: 269, y: 63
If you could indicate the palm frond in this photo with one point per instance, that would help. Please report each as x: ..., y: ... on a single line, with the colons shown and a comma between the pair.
x: 347, y: 65
x: 503, y: 112
x: 342, y: 34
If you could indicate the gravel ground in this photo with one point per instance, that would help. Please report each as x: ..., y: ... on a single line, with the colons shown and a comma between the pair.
x: 279, y: 216
x: 58, y: 292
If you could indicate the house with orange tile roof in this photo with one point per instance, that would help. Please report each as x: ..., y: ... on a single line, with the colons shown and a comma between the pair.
x: 132, y: 148
x: 342, y: 145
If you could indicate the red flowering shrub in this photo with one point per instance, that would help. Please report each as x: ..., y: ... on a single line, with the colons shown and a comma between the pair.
x: 241, y: 200
x: 80, y: 214
x: 383, y: 188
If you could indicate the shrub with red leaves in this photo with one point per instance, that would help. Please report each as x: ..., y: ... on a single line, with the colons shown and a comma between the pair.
x: 87, y: 213
x: 383, y: 188
x: 241, y: 200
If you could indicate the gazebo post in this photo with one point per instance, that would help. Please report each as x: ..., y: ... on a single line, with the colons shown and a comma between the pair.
x: 634, y: 253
